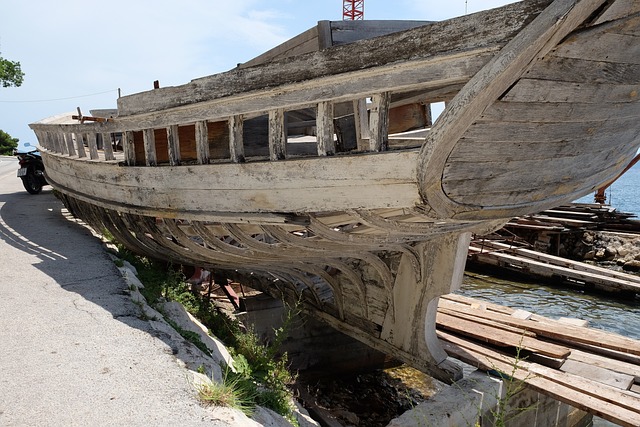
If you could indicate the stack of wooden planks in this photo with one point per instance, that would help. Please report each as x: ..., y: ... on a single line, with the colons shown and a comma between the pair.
x: 547, y: 266
x: 592, y: 370
x: 576, y: 216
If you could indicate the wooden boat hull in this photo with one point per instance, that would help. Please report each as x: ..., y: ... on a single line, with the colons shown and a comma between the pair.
x: 542, y: 106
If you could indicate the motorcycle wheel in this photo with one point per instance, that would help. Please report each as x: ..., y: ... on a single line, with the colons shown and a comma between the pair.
x: 32, y: 183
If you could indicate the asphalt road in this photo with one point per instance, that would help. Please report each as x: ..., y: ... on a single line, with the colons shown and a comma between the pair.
x: 73, y: 350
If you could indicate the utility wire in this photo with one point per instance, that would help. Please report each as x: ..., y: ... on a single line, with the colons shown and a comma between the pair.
x: 61, y: 99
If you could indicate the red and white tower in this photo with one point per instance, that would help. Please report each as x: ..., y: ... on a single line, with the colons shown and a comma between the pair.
x: 352, y: 10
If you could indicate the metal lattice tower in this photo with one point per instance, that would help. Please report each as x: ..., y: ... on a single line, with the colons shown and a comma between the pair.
x: 352, y: 10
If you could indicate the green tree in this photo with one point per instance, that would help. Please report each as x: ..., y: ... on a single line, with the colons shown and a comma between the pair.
x: 10, y: 73
x: 7, y: 143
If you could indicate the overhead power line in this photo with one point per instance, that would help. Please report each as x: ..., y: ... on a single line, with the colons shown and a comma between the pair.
x: 59, y: 99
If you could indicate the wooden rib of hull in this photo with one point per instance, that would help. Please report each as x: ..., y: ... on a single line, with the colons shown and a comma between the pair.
x: 370, y: 232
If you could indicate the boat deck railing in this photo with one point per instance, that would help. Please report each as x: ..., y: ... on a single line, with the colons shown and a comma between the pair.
x: 270, y: 135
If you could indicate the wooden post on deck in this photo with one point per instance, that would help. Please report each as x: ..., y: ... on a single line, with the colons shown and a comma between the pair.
x: 202, y: 142
x: 129, y: 148
x: 236, y: 138
x: 361, y: 119
x: 65, y: 143
x: 108, y: 148
x: 92, y: 142
x: 173, y: 145
x: 58, y: 140
x: 80, y: 145
x: 277, y: 135
x: 324, y: 126
x: 149, y: 139
x: 379, y: 122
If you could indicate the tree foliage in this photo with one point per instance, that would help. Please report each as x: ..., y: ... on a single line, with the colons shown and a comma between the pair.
x: 10, y: 73
x: 7, y: 143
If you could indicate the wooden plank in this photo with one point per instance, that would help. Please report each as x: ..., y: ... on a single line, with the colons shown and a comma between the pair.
x: 544, y: 269
x: 612, y: 42
x: 535, y: 133
x: 379, y: 122
x: 606, y: 402
x: 107, y: 147
x: 475, y: 303
x: 361, y: 118
x: 576, y: 265
x: 597, y: 373
x: 92, y: 142
x: 149, y: 139
x: 325, y: 35
x: 619, y: 9
x: 302, y: 43
x: 347, y: 31
x: 606, y: 362
x: 60, y: 142
x: 500, y: 337
x: 577, y: 70
x: 566, y: 333
x: 202, y: 142
x: 79, y: 137
x: 463, y: 181
x: 70, y: 146
x: 236, y: 138
x: 324, y: 126
x: 515, y: 149
x: 538, y: 90
x: 277, y: 135
x: 484, y: 321
x: 173, y: 145
x: 371, y: 182
x: 129, y: 148
x: 540, y: 112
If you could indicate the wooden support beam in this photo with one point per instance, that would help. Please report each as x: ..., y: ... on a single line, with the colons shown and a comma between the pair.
x: 236, y: 138
x: 107, y: 147
x: 129, y: 148
x: 57, y: 140
x: 324, y: 126
x: 409, y: 324
x: 79, y: 145
x: 173, y: 145
x: 149, y: 139
x: 65, y: 144
x: 202, y: 142
x: 277, y: 135
x: 92, y: 142
x: 379, y: 122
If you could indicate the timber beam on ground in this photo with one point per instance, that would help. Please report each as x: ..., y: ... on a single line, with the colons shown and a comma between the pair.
x: 534, y: 263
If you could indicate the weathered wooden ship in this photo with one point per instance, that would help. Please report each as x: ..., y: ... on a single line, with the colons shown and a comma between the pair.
x: 369, y: 222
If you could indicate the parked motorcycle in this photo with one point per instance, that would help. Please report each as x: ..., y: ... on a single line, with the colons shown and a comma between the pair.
x: 31, y: 169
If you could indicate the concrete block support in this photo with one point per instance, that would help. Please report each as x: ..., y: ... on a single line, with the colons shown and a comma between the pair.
x: 477, y: 400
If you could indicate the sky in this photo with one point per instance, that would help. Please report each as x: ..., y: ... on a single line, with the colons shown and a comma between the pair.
x: 79, y: 54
